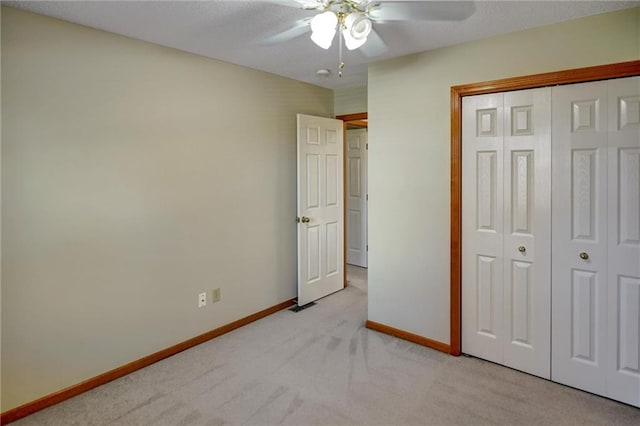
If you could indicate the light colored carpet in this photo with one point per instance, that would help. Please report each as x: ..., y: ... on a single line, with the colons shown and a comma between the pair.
x: 321, y: 366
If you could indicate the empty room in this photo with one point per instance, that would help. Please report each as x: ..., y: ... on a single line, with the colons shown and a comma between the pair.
x: 320, y: 212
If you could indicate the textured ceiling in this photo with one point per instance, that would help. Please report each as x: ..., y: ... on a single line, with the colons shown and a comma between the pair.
x: 232, y: 30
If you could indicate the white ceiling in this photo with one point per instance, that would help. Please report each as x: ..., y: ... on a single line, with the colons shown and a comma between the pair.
x: 232, y: 30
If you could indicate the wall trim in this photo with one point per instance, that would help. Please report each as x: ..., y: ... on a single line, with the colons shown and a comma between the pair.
x: 580, y: 75
x: 358, y: 116
x: 405, y: 335
x: 74, y: 390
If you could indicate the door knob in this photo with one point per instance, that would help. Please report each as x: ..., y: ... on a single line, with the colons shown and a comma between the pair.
x: 522, y: 249
x: 584, y: 256
x: 305, y: 219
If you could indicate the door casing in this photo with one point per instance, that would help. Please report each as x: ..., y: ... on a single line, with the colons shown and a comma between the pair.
x: 580, y: 75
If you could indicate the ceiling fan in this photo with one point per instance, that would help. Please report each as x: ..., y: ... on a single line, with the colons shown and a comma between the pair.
x: 352, y: 21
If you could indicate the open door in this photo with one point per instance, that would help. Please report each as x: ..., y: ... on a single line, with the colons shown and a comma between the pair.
x: 320, y: 208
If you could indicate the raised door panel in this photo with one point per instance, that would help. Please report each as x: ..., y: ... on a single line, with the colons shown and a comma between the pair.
x: 579, y: 241
x: 487, y: 190
x: 527, y: 230
x: 487, y: 312
x: 332, y: 185
x: 355, y: 167
x: 314, y: 260
x: 584, y: 316
x: 623, y: 278
x: 522, y: 190
x: 353, y: 229
x: 482, y: 227
x: 628, y: 295
x: 583, y: 195
x: 628, y: 166
x: 333, y: 249
x: 522, y: 314
x: 313, y: 178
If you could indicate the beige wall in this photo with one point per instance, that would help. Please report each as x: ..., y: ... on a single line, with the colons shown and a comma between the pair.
x: 350, y: 100
x: 133, y: 178
x: 409, y: 135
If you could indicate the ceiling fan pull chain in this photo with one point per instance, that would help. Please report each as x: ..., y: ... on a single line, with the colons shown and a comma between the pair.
x: 341, y: 64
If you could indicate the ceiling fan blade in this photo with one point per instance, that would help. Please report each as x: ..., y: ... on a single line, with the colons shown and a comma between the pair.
x: 423, y: 10
x: 299, y: 4
x: 299, y: 28
x: 374, y: 46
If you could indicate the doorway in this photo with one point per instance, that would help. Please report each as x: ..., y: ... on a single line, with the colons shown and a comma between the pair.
x: 355, y: 189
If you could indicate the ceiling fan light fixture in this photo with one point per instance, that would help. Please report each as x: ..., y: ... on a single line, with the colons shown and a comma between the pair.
x: 359, y: 25
x: 356, y: 29
x: 323, y: 27
x: 350, y: 42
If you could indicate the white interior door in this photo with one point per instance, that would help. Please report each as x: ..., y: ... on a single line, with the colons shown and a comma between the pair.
x: 357, y: 197
x: 579, y: 229
x: 320, y: 208
x: 482, y: 227
x: 527, y: 231
x: 623, y: 272
x: 506, y: 274
x: 596, y: 241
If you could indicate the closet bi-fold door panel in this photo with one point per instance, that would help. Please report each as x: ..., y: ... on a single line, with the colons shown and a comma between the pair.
x: 482, y: 227
x: 527, y: 231
x: 623, y: 272
x: 579, y: 244
x: 596, y: 238
x: 506, y: 229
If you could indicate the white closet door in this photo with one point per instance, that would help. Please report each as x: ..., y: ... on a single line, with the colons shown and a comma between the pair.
x: 482, y: 227
x: 506, y: 229
x: 623, y: 277
x: 579, y: 246
x: 527, y: 231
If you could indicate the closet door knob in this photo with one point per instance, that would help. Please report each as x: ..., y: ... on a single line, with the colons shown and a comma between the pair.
x: 584, y: 256
x: 522, y: 249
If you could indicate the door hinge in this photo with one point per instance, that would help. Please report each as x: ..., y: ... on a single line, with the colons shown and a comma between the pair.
x: 367, y: 247
x: 366, y: 146
x: 367, y: 197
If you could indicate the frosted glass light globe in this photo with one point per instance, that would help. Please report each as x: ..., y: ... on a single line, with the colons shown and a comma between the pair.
x: 323, y: 27
x: 358, y: 27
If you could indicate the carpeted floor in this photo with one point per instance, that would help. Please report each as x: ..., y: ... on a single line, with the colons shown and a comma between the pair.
x: 321, y: 366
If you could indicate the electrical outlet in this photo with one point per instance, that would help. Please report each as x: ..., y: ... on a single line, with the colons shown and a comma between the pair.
x: 202, y: 300
x: 215, y: 295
